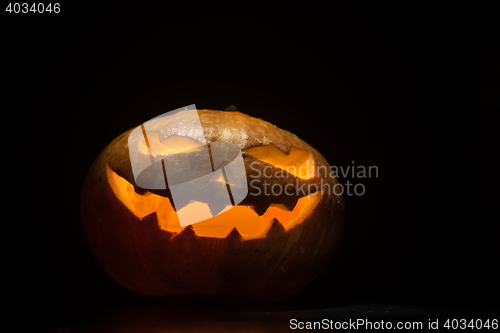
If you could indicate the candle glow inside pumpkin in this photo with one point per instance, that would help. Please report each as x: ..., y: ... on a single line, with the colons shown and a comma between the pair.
x: 244, y: 218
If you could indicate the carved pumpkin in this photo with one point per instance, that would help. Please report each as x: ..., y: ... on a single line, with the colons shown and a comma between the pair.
x: 267, y: 248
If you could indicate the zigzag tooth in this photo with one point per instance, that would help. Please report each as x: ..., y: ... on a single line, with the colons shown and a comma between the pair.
x: 140, y: 190
x: 151, y: 218
x: 234, y: 235
x: 215, y: 207
x: 276, y: 229
x: 186, y: 232
x: 290, y: 202
x: 260, y: 209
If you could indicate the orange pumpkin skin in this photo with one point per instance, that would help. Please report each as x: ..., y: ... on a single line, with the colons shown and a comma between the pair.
x: 149, y: 260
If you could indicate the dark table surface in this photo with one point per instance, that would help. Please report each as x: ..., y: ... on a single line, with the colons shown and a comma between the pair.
x: 172, y: 317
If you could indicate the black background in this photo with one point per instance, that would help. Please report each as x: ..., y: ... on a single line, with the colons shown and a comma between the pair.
x: 410, y: 88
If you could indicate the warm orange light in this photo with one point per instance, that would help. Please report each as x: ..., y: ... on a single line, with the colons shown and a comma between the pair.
x: 299, y: 162
x: 170, y: 145
x: 244, y: 218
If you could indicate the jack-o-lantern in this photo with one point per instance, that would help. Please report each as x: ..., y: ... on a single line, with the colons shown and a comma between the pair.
x: 268, y: 247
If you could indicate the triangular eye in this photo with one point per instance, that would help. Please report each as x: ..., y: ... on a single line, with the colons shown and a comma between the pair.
x: 244, y: 218
x: 299, y: 162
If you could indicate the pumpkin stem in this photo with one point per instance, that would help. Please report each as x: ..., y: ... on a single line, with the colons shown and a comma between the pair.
x: 231, y: 107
